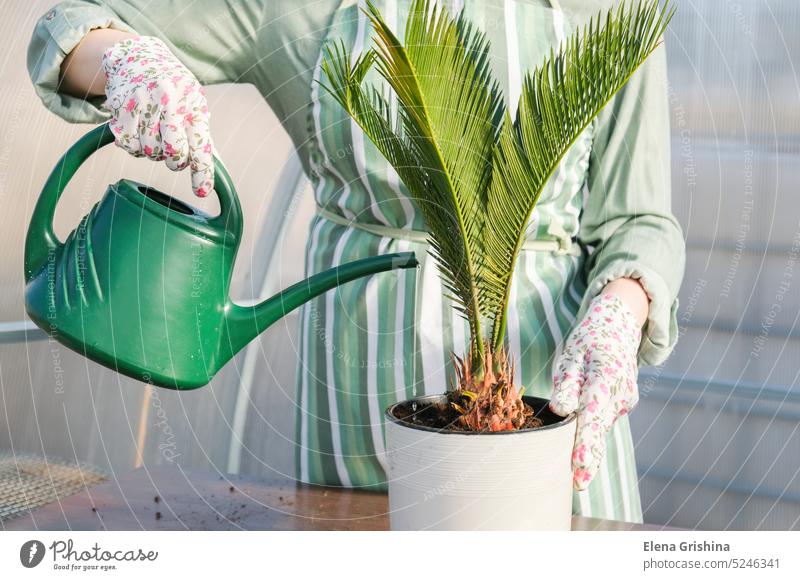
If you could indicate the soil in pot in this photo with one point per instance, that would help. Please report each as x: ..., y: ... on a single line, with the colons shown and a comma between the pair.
x: 437, y: 414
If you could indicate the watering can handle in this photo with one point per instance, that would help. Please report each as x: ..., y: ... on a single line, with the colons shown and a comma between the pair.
x: 41, y: 238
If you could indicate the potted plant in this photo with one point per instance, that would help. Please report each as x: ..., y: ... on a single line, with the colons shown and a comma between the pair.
x: 482, y: 455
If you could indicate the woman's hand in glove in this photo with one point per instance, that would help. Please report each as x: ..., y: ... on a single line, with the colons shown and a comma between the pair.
x: 158, y: 108
x: 595, y: 376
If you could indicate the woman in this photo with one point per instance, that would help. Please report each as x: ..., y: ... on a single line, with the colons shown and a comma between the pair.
x: 372, y: 342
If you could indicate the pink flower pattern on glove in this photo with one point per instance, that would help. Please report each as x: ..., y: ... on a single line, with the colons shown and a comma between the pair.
x: 595, y: 376
x: 158, y: 108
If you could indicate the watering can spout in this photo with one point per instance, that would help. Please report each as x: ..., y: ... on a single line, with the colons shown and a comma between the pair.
x: 244, y: 323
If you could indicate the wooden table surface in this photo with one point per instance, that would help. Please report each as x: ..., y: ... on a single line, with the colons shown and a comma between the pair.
x: 170, y: 498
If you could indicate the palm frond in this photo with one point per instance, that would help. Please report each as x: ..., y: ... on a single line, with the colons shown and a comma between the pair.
x: 441, y: 139
x: 559, y: 100
x: 474, y: 172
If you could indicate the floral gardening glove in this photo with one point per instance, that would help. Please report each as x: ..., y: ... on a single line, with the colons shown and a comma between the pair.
x: 595, y: 375
x: 158, y: 108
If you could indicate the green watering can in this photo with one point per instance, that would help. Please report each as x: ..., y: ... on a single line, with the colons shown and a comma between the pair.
x: 141, y: 285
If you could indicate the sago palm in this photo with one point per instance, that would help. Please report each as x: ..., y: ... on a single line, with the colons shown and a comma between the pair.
x: 475, y: 172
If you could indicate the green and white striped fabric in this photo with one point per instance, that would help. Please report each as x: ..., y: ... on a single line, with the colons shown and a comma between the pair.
x: 389, y: 337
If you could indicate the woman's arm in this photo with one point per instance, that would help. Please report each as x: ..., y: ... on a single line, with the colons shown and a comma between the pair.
x: 271, y: 44
x: 216, y: 41
x: 639, y: 252
x: 82, y: 69
x: 630, y: 291
x: 94, y: 60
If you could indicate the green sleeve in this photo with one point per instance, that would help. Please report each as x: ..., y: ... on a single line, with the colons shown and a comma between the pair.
x: 290, y: 41
x: 627, y: 218
x: 213, y: 38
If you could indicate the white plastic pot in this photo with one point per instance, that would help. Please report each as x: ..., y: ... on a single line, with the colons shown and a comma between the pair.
x: 515, y: 480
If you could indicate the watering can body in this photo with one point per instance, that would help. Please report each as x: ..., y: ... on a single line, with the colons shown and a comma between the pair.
x: 142, y: 284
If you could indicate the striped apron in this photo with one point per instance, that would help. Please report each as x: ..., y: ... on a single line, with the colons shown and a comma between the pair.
x: 388, y: 337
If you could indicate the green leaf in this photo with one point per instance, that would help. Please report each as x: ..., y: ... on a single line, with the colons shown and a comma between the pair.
x: 558, y: 102
x: 441, y: 140
x: 475, y: 173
